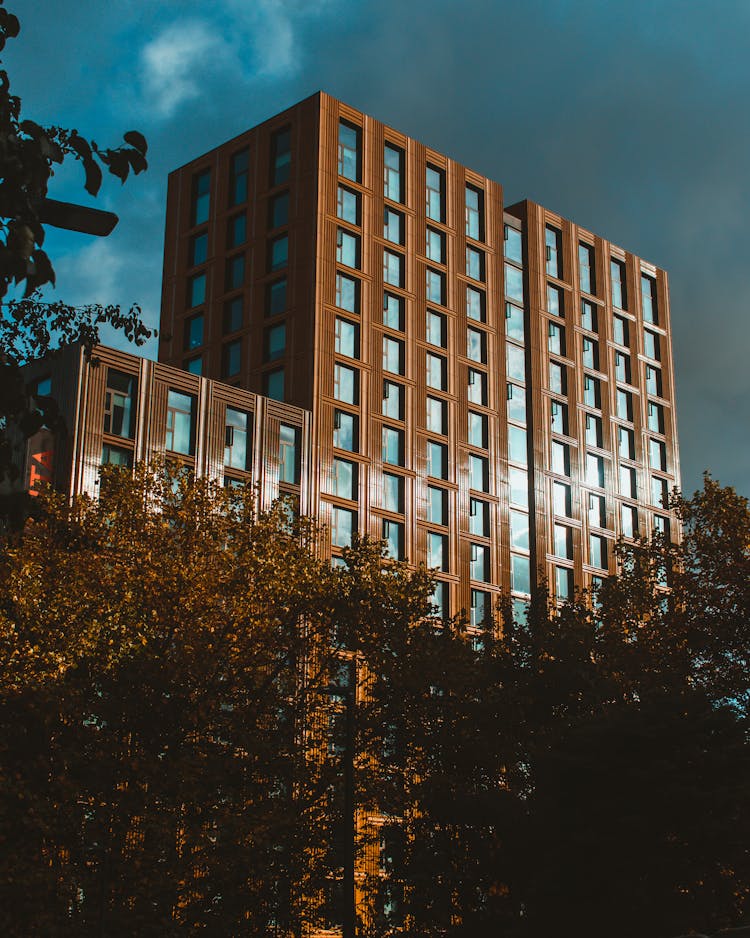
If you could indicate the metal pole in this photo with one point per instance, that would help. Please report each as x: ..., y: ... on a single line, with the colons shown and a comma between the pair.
x: 349, y: 924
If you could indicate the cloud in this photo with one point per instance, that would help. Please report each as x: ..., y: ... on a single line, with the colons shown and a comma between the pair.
x: 174, y: 61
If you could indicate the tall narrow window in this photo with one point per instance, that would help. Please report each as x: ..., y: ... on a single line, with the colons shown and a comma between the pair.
x: 648, y: 299
x: 281, y: 156
x: 617, y: 277
x: 201, y: 199
x: 393, y: 178
x: 119, y: 403
x: 198, y: 249
x: 237, y: 450
x: 350, y: 162
x: 435, y: 185
x: 193, y: 334
x: 278, y: 212
x: 347, y: 205
x: 347, y: 248
x: 238, y: 173
x: 553, y: 251
x: 474, y: 213
x: 180, y: 436
x: 586, y: 270
x: 289, y: 454
x: 274, y: 344
x: 513, y: 244
x: 231, y: 359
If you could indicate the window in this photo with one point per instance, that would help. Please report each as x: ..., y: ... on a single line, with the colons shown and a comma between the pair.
x: 518, y: 487
x: 347, y: 248
x: 278, y: 213
x: 281, y: 156
x: 435, y: 184
x: 343, y: 526
x: 516, y: 398
x: 479, y: 473
x: 196, y: 290
x: 515, y: 362
x: 598, y: 551
x: 480, y: 562
x: 514, y: 326
x: 347, y: 205
x: 629, y: 521
x: 231, y: 359
x: 597, y: 511
x: 477, y: 387
x: 474, y: 263
x: 437, y: 505
x: 437, y: 460
x: 393, y: 311
x: 592, y: 395
x: 590, y: 353
x: 238, y: 167
x: 393, y: 355
x: 519, y: 529
x: 481, y: 609
x: 393, y: 446
x: 116, y: 456
x: 237, y: 451
x: 560, y: 453
x: 563, y: 583
x: 593, y: 430
x: 556, y: 338
x: 236, y: 231
x: 476, y: 307
x: 559, y: 417
x: 437, y: 372
x: 627, y: 482
x: 393, y: 226
x: 648, y: 299
x: 479, y: 517
x: 520, y: 574
x: 517, y: 451
x: 626, y: 443
x: 659, y: 492
x: 657, y: 454
x: 651, y: 345
x: 273, y: 384
x: 620, y: 331
x: 344, y: 478
x: 441, y: 600
x: 561, y: 499
x: 437, y: 329
x: 555, y: 301
x: 474, y: 213
x: 437, y: 415
x: 119, y: 404
x: 201, y: 198
x: 193, y: 337
x: 513, y: 283
x: 393, y: 186
x: 349, y: 152
x: 617, y: 277
x: 563, y: 542
x: 553, y: 251
x: 345, y: 384
x: 478, y: 430
x: 435, y: 245
x: 346, y: 338
x: 655, y: 417
x: 476, y: 345
x: 180, y: 423
x: 624, y: 405
x: 194, y: 365
x: 276, y: 297
x: 435, y: 286
x: 586, y: 270
x: 558, y: 378
x: 278, y: 252
x: 347, y: 293
x: 393, y: 492
x: 346, y: 431
x: 661, y: 525
x: 437, y: 551
x: 622, y: 367
x: 393, y: 535
x: 653, y: 381
x: 198, y: 249
x: 275, y: 342
x: 594, y: 470
x: 235, y: 272
x: 393, y: 268
x: 588, y: 316
x: 513, y: 245
x: 393, y: 400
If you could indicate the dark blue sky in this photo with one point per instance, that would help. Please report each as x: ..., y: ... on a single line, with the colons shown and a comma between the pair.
x: 630, y: 117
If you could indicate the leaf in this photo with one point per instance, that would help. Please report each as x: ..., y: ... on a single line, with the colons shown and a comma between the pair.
x: 136, y: 140
x: 91, y: 168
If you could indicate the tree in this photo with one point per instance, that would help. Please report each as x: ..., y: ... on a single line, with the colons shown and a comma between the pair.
x: 29, y: 327
x: 169, y: 756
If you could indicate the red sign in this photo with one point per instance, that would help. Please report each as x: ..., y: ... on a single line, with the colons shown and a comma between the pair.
x: 40, y: 461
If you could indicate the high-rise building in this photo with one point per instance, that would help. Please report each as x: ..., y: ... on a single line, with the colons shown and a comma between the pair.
x: 490, y: 387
